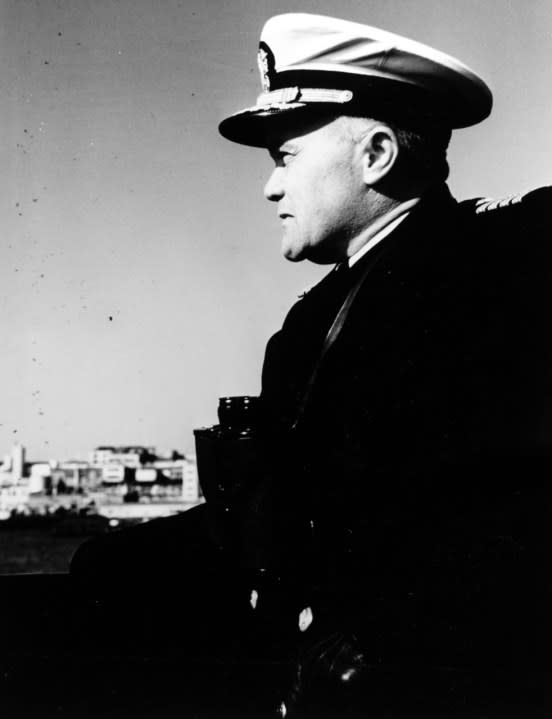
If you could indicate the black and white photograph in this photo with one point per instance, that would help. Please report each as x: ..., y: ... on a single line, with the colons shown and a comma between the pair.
x: 276, y: 370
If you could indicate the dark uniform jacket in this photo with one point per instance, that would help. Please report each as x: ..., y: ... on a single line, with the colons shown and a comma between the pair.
x: 422, y: 460
x: 411, y: 503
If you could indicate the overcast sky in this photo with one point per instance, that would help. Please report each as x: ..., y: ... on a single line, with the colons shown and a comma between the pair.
x: 140, y: 274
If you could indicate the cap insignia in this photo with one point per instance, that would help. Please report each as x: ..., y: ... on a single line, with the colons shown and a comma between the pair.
x: 265, y: 61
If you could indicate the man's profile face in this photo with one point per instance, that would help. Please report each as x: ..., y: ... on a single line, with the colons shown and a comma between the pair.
x: 317, y: 183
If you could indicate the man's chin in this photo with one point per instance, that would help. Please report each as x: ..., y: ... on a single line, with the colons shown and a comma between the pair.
x: 294, y: 258
x: 292, y: 253
x: 298, y: 253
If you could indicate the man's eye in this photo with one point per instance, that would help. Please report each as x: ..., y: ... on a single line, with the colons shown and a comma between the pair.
x: 282, y: 159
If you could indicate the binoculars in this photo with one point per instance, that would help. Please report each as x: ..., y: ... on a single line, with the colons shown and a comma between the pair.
x: 231, y: 466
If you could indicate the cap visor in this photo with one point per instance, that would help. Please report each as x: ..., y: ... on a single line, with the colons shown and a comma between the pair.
x: 257, y: 126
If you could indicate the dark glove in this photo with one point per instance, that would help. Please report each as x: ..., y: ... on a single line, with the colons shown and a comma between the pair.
x: 326, y: 678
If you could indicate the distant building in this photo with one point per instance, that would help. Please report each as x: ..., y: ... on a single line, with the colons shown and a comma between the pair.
x: 116, y: 473
x: 77, y: 474
x: 40, y: 477
x: 18, y: 461
x: 182, y: 471
x: 191, y: 490
x: 12, y: 468
x: 13, y: 497
x: 145, y: 474
x: 129, y: 456
x: 120, y: 474
x: 172, y: 470
x: 61, y: 477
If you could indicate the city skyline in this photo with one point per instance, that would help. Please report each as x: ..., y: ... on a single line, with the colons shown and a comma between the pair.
x: 141, y: 274
x: 6, y: 453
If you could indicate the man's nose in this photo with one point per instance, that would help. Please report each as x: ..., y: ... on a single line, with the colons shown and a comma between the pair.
x: 274, y: 189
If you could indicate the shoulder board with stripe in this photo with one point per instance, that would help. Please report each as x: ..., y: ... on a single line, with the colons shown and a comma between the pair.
x: 487, y: 204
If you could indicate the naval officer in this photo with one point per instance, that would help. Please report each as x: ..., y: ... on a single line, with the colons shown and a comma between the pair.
x: 407, y: 400
x: 411, y: 388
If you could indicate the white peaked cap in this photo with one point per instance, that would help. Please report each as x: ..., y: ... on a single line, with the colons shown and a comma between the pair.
x: 323, y: 65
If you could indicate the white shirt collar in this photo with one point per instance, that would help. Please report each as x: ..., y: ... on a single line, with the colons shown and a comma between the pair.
x: 382, y: 227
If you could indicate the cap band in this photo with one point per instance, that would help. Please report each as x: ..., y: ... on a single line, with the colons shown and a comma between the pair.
x: 303, y: 94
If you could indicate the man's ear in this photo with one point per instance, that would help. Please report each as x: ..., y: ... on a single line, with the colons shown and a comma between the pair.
x: 380, y: 150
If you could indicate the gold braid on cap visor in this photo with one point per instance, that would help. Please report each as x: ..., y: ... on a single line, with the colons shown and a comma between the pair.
x: 298, y: 94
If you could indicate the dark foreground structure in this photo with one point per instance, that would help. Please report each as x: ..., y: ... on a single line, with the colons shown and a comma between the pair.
x: 183, y: 642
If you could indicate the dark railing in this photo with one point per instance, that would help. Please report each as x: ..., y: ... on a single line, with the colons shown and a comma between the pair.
x: 65, y: 654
